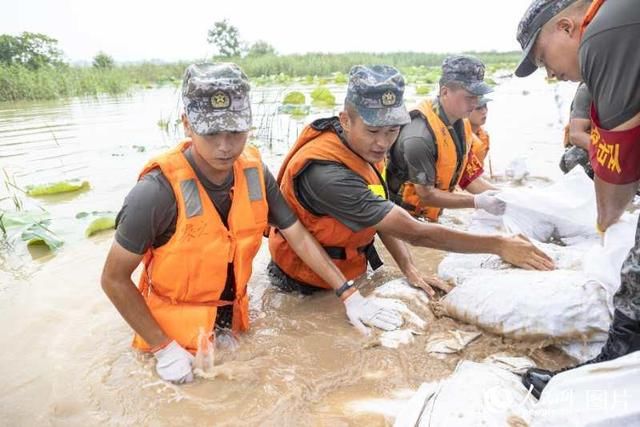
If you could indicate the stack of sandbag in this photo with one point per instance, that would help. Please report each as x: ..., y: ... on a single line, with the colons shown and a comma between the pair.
x: 491, y: 394
x: 475, y: 394
x: 571, y: 305
x: 604, y: 394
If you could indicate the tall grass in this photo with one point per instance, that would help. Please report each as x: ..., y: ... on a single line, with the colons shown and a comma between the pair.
x: 19, y: 83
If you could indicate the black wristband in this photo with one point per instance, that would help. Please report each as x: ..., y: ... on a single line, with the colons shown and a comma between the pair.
x: 345, y: 287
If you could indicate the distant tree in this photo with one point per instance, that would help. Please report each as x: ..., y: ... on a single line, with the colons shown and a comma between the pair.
x: 261, y: 48
x: 33, y: 50
x: 226, y: 38
x: 103, y: 61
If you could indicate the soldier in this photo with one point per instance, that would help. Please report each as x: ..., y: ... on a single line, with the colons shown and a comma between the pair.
x: 597, y: 42
x: 481, y: 142
x: 433, y: 155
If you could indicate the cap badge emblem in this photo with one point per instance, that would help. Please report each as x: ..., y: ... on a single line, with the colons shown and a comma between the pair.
x: 220, y: 99
x: 388, y: 98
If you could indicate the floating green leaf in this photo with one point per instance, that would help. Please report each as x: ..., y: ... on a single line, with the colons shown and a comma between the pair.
x: 38, y: 234
x: 57, y: 187
x: 100, y: 224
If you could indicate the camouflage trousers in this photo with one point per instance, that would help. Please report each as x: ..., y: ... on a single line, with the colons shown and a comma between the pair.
x: 627, y: 299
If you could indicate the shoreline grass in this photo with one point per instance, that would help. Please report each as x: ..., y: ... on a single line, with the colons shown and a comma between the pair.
x: 18, y: 83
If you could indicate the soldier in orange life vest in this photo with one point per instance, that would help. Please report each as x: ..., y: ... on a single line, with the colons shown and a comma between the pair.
x: 478, y: 117
x: 333, y: 178
x: 432, y: 155
x: 196, y: 220
x: 597, y: 43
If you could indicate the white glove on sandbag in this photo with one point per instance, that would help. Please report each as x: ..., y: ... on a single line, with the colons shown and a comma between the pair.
x: 489, y: 202
x: 363, y: 311
x: 173, y: 363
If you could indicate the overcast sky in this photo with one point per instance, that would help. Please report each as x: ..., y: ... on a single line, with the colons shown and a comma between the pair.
x: 132, y: 30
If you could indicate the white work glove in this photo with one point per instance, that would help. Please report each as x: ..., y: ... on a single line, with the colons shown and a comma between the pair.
x: 173, y: 363
x: 489, y: 202
x: 363, y: 311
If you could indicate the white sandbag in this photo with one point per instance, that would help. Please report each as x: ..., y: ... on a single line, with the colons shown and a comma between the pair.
x: 604, y: 394
x: 475, y: 394
x: 458, y: 267
x: 604, y: 261
x: 531, y: 304
x: 565, y: 209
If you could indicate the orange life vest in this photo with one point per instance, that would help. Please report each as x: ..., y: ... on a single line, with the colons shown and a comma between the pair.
x: 347, y: 249
x: 480, y: 144
x: 182, y: 280
x: 448, y: 174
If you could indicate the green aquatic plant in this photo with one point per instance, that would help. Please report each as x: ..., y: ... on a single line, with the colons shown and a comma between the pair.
x: 57, y: 188
x: 322, y: 97
x: 294, y: 98
x: 39, y: 235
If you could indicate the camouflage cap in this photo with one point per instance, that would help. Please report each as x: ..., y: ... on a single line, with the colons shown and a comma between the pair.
x: 538, y: 14
x: 376, y: 91
x: 216, y: 98
x: 468, y: 71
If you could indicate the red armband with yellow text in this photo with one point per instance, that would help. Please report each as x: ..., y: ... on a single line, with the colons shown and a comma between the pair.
x: 472, y: 170
x: 614, y: 155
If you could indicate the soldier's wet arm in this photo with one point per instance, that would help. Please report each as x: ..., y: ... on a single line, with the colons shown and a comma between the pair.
x: 125, y: 296
x: 612, y: 199
x: 479, y: 185
x: 579, y: 133
x: 520, y: 252
x: 613, y: 78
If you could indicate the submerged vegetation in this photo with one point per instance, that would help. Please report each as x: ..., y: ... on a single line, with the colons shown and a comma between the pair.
x: 19, y: 82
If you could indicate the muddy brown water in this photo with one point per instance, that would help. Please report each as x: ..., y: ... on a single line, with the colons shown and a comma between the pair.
x: 66, y: 356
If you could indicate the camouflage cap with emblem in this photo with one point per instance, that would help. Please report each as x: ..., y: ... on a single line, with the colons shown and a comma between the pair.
x: 376, y: 92
x: 538, y: 14
x: 216, y: 98
x: 466, y: 70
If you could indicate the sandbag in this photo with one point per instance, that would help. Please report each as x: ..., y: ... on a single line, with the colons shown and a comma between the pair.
x: 563, y: 210
x: 531, y: 304
x: 604, y: 261
x: 475, y: 394
x: 456, y: 268
x: 604, y: 394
